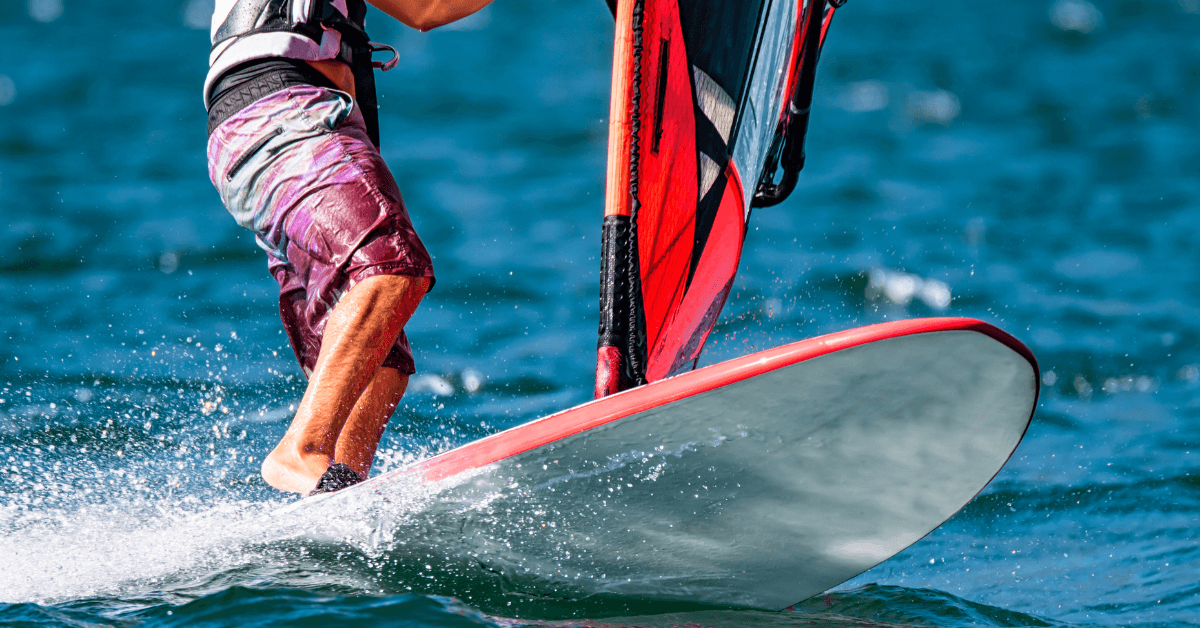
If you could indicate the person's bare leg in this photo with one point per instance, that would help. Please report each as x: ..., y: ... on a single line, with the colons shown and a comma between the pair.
x: 360, y: 435
x: 358, y: 336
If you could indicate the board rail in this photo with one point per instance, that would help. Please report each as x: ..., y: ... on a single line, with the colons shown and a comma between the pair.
x: 581, y: 418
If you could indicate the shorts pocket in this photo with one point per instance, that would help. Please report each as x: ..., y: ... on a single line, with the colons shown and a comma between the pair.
x: 249, y: 153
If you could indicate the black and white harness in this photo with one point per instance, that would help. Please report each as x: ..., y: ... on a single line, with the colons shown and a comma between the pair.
x: 304, y: 30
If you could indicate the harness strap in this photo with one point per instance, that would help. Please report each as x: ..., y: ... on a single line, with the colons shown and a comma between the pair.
x: 356, y: 51
x: 364, y: 85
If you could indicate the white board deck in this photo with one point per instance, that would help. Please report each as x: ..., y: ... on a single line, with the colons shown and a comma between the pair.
x: 758, y: 482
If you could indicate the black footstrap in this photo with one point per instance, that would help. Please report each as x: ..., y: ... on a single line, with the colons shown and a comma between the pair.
x: 337, y: 477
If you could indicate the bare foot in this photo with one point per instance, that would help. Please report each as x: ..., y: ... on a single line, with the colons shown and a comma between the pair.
x: 358, y: 336
x: 287, y: 468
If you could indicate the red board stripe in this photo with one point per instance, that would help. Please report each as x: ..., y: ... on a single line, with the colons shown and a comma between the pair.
x: 582, y: 418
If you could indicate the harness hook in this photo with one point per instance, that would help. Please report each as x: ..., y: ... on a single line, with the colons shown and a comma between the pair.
x: 384, y: 65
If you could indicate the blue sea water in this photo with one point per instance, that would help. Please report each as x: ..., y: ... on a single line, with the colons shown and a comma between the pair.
x: 1035, y: 164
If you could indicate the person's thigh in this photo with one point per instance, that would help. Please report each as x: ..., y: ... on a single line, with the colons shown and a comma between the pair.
x: 298, y: 169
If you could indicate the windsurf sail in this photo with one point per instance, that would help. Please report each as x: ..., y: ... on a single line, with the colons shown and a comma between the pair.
x: 709, y: 112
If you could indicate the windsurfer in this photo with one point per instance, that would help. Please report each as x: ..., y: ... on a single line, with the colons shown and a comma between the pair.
x: 293, y: 152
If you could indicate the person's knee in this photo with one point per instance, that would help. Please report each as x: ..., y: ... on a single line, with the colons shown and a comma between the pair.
x: 394, y: 290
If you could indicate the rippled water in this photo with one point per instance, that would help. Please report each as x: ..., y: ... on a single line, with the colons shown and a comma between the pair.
x: 1034, y: 164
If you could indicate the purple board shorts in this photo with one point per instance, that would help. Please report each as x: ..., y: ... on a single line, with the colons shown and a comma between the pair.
x: 298, y: 169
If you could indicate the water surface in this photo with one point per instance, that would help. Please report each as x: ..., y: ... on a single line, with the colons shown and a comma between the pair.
x: 1033, y: 164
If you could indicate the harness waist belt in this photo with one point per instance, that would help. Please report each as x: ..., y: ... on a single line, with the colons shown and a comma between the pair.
x: 258, y: 79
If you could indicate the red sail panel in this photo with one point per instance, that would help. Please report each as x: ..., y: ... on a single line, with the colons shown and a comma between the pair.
x: 680, y: 343
x: 675, y: 206
x: 667, y: 168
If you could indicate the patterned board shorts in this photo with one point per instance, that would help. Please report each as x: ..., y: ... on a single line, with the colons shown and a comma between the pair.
x: 298, y: 169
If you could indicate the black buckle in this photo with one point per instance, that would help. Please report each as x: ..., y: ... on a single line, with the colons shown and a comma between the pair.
x: 384, y: 66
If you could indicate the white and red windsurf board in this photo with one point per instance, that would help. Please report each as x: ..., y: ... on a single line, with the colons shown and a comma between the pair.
x: 757, y: 482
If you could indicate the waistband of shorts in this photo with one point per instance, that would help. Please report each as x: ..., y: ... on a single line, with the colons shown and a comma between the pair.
x: 230, y: 102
